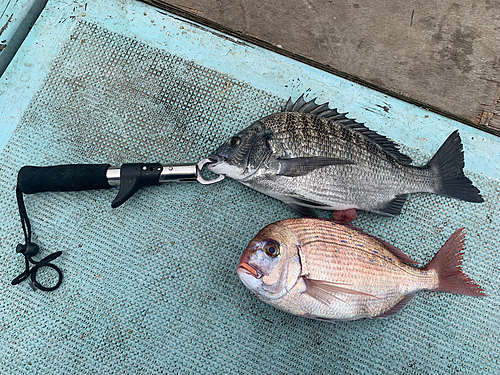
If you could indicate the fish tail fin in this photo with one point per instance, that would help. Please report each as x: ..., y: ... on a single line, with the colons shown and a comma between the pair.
x: 447, y: 263
x: 449, y: 164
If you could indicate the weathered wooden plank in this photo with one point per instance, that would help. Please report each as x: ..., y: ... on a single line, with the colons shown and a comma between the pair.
x: 444, y: 55
x: 490, y: 116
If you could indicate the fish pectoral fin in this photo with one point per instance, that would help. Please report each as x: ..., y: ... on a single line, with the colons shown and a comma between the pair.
x: 301, y: 166
x: 326, y: 291
x: 397, y: 307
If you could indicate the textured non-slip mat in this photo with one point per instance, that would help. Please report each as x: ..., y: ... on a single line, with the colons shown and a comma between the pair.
x: 151, y: 287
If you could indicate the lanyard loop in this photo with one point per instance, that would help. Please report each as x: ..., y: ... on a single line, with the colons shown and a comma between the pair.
x: 30, y: 249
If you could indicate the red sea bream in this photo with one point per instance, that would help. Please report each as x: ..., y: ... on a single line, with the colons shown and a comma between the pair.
x: 321, y: 269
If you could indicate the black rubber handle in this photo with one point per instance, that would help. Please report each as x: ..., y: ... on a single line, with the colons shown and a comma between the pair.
x: 71, y: 177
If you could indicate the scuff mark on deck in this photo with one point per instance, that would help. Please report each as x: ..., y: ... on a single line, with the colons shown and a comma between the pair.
x: 384, y: 107
x: 6, y: 24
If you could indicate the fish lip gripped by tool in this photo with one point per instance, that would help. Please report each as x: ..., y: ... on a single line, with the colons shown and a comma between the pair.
x: 216, y: 159
x: 199, y: 176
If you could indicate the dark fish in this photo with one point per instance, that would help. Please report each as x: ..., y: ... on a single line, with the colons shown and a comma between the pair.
x: 324, y: 270
x: 311, y: 156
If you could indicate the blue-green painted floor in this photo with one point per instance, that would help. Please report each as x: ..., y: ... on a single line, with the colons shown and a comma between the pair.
x: 151, y: 287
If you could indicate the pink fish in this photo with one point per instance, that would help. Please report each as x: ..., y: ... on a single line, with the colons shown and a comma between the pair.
x: 325, y: 270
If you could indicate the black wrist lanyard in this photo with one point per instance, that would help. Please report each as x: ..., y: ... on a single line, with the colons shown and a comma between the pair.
x: 30, y: 249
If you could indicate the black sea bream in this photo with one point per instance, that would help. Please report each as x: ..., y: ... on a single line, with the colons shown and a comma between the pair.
x: 310, y: 156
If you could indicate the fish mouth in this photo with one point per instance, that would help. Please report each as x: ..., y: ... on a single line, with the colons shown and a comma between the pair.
x: 215, y: 159
x: 216, y: 164
x: 248, y: 269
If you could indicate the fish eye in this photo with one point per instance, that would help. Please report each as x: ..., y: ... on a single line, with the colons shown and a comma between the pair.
x: 272, y: 249
x: 235, y: 141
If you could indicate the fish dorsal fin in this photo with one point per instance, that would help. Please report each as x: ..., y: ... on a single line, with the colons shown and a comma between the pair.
x: 393, y: 249
x: 324, y: 110
x: 397, y: 252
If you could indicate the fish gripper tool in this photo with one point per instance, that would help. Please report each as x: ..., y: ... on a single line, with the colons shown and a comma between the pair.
x: 129, y: 177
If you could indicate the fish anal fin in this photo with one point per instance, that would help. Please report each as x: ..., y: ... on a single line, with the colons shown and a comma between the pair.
x: 326, y: 291
x: 301, y: 166
x: 394, y: 207
x: 396, y: 308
